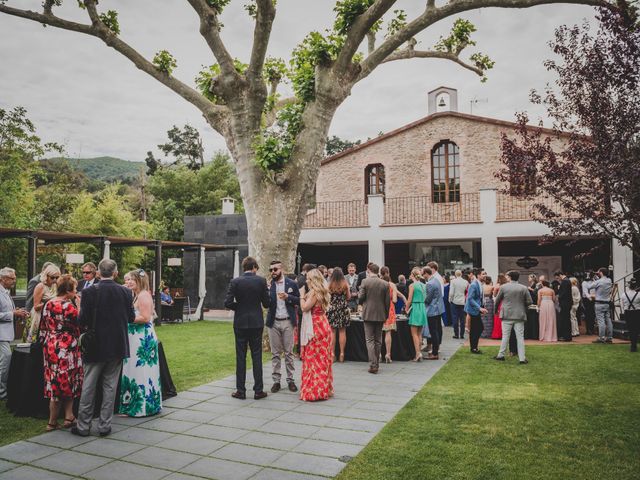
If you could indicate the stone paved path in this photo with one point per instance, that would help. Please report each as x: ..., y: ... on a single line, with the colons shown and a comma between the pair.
x: 204, y: 433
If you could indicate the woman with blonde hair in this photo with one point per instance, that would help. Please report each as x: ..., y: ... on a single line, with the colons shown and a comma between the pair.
x: 496, y: 333
x: 417, y: 310
x: 317, y: 374
x: 44, y: 291
x: 575, y: 297
x: 390, y: 325
x: 140, y: 388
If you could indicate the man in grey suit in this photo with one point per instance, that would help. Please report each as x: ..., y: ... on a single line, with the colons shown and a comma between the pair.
x: 375, y: 298
x: 515, y: 300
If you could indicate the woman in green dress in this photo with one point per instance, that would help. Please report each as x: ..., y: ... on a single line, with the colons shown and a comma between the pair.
x: 140, y: 391
x: 417, y: 310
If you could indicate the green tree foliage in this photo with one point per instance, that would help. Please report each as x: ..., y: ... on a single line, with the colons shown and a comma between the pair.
x: 180, y: 191
x: 336, y: 145
x: 184, y: 145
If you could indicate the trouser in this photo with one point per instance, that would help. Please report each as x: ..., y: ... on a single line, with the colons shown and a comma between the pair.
x: 281, y: 342
x: 373, y: 338
x: 632, y: 319
x: 574, y: 320
x: 5, y: 361
x: 513, y: 343
x: 589, y: 315
x: 603, y: 316
x: 110, y: 374
x: 435, y: 327
x: 507, y: 326
x: 458, y: 319
x: 564, y: 322
x: 252, y: 338
x: 475, y: 331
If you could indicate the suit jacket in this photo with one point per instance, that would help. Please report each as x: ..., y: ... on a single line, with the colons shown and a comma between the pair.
x: 31, y: 287
x: 113, y: 305
x: 246, y: 295
x: 361, y: 277
x: 433, y: 298
x: 6, y: 315
x: 565, y: 297
x: 293, y: 300
x: 81, y: 283
x: 515, y: 299
x: 474, y: 299
x: 376, y: 299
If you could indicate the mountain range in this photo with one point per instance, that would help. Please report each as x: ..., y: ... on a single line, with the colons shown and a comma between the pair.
x: 105, y: 169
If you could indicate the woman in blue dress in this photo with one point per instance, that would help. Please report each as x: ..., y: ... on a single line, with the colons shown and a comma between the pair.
x: 140, y: 391
x: 417, y: 311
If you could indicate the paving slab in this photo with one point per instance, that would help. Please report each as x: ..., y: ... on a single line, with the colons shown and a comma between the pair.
x: 205, y: 433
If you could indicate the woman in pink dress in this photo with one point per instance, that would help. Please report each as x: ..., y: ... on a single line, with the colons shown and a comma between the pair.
x: 547, y: 309
x: 496, y: 333
x: 317, y: 374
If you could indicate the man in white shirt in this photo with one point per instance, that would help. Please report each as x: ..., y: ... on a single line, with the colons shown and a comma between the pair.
x: 457, y: 290
x: 8, y: 312
x: 352, y: 280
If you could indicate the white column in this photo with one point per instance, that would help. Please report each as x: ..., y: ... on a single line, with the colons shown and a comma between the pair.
x: 376, y: 218
x: 622, y: 261
x: 489, y: 245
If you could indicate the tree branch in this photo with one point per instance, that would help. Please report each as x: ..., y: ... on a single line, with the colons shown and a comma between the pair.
x: 359, y: 30
x: 210, y: 31
x: 272, y: 115
x: 266, y: 12
x: 211, y: 111
x: 433, y: 14
x: 411, y: 53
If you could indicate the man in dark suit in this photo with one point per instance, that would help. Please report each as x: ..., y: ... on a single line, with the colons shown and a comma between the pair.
x: 362, y: 276
x: 565, y: 299
x: 281, y: 320
x: 246, y: 296
x: 112, y: 305
x: 376, y: 299
x: 88, y: 276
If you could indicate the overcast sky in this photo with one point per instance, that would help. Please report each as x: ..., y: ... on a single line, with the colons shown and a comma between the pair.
x: 88, y: 97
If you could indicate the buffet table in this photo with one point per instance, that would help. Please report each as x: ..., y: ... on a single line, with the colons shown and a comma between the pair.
x: 25, y: 385
x: 356, y: 349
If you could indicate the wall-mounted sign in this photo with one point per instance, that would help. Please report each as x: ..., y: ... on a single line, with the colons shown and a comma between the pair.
x: 527, y: 262
x: 75, y: 258
x: 174, y: 262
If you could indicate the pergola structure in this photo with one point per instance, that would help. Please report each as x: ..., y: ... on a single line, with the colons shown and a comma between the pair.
x: 105, y: 242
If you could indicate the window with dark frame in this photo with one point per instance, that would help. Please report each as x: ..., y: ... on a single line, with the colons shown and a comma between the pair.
x: 373, y: 180
x: 445, y: 172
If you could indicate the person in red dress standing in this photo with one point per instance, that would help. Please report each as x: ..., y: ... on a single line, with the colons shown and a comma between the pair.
x: 496, y: 334
x: 59, y: 333
x: 317, y: 374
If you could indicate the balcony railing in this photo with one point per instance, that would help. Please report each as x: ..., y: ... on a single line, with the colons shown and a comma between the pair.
x: 512, y: 209
x: 349, y: 213
x: 423, y: 211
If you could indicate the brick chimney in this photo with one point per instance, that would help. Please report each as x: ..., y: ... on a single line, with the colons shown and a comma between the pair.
x: 228, y: 206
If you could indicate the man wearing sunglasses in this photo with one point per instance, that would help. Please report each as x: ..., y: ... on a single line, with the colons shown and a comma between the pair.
x: 281, y: 320
x: 8, y: 312
x: 88, y: 276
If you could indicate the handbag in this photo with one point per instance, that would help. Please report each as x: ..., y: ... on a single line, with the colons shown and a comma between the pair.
x: 88, y: 340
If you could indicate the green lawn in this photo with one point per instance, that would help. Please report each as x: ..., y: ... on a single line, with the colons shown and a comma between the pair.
x: 197, y: 353
x: 573, y: 412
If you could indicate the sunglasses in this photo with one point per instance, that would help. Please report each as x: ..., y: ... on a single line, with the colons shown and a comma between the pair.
x: 55, y: 277
x: 274, y: 269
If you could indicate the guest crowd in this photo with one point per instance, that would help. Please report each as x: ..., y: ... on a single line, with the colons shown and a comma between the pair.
x: 93, y: 332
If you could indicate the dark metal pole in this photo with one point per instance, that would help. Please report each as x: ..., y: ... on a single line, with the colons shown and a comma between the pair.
x: 201, y: 258
x: 32, y: 254
x: 156, y: 283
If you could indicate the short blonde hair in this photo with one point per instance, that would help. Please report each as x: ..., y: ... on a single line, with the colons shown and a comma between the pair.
x: 140, y: 278
x: 416, y: 272
x: 574, y: 281
x: 49, y: 271
x: 317, y: 286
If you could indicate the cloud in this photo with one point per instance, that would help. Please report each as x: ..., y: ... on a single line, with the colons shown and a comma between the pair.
x: 81, y: 93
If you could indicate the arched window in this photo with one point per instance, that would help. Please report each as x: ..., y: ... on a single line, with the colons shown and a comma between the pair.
x: 373, y: 180
x: 445, y: 172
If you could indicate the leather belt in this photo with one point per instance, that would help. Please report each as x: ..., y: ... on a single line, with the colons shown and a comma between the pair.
x: 283, y: 318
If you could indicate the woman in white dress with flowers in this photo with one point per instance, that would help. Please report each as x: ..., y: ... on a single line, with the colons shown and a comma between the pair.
x: 140, y: 390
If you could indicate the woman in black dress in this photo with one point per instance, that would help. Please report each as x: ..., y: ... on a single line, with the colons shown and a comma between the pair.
x: 338, y: 312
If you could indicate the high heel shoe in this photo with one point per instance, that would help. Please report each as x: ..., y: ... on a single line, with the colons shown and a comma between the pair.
x: 387, y: 359
x: 341, y: 358
x: 417, y: 359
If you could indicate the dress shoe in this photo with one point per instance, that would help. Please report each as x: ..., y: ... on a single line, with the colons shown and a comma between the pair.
x: 292, y: 387
x: 373, y: 370
x: 599, y: 340
x: 105, y: 433
x: 456, y: 337
x: 239, y: 395
x: 260, y: 395
x: 75, y: 431
x: 431, y: 357
x: 275, y: 388
x: 476, y: 352
x: 500, y: 359
x: 524, y: 362
x: 609, y: 340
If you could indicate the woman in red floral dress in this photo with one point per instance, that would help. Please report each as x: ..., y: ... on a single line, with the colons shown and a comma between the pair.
x: 59, y: 333
x: 317, y: 374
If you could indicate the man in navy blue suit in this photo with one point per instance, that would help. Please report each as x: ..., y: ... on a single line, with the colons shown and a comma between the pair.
x: 474, y: 308
x: 246, y: 296
x: 281, y: 320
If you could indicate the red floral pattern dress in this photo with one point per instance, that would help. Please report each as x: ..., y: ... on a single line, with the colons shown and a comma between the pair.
x: 317, y: 373
x: 59, y: 333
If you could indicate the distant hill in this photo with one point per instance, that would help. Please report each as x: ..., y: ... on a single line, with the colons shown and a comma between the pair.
x: 105, y: 169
